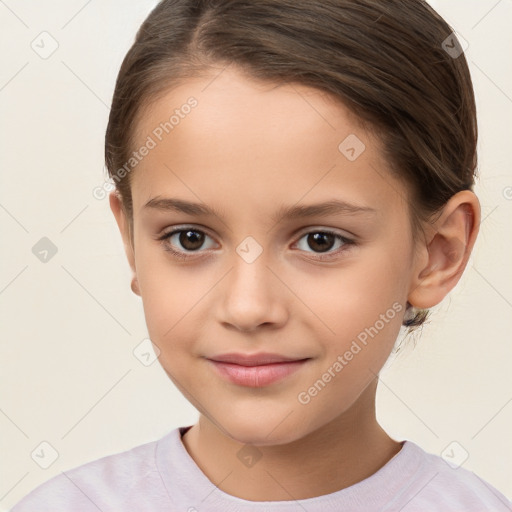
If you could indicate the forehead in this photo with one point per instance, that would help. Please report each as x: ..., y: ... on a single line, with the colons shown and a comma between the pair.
x: 261, y: 143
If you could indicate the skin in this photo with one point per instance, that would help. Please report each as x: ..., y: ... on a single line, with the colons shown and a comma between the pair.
x: 247, y: 149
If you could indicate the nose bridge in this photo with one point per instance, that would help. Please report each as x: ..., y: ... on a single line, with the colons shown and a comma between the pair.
x: 252, y: 295
x: 250, y: 275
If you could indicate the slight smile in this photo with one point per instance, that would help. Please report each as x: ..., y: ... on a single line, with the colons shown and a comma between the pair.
x: 255, y: 370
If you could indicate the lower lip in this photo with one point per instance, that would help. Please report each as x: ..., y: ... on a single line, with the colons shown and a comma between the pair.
x: 256, y: 376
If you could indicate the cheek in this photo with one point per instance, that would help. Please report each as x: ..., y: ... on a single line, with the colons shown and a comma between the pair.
x: 363, y: 305
x: 366, y: 322
x: 169, y: 292
x: 354, y: 297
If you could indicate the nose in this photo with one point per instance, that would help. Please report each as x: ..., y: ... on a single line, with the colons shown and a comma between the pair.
x: 252, y: 297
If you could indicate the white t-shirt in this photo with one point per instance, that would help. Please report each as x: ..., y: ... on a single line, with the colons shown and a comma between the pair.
x: 161, y: 476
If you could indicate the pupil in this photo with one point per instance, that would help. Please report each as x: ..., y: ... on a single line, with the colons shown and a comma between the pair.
x: 191, y: 240
x: 323, y: 241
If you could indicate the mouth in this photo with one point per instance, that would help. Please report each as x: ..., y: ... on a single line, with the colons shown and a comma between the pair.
x: 256, y: 370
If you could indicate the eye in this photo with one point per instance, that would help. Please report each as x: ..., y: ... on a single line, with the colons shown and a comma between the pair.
x: 185, y: 240
x: 322, y: 241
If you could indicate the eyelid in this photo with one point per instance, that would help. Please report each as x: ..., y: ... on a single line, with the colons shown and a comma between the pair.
x: 193, y: 227
x: 324, y: 229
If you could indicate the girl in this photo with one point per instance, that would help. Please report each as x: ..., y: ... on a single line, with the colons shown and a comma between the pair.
x: 293, y: 184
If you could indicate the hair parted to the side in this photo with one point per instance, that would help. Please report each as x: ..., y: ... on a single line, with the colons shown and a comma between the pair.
x: 384, y: 60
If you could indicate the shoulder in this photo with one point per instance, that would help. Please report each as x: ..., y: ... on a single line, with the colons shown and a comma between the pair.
x: 441, y: 482
x: 109, y: 483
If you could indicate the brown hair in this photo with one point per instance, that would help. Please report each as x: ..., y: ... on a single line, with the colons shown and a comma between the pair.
x: 387, y: 61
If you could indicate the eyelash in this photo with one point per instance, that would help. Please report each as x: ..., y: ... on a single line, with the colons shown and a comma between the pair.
x: 347, y: 243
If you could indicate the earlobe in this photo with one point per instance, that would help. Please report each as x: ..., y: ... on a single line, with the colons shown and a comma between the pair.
x: 449, y: 248
x: 116, y: 206
x: 135, y: 285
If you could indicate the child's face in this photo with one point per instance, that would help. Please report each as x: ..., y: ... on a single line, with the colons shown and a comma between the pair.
x: 247, y: 150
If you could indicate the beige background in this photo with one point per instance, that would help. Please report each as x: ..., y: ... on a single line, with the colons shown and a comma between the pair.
x: 69, y: 326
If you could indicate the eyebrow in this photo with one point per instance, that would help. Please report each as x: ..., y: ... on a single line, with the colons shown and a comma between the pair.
x: 332, y: 207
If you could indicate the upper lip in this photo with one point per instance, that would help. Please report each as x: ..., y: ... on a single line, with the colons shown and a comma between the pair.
x: 259, y: 359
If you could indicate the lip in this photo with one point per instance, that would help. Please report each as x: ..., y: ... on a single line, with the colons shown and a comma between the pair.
x: 258, y: 359
x: 256, y: 370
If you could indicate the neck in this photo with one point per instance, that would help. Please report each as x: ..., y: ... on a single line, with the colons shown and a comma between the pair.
x: 341, y: 453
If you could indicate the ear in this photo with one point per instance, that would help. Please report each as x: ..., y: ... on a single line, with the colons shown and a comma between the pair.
x: 116, y: 205
x: 443, y: 259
